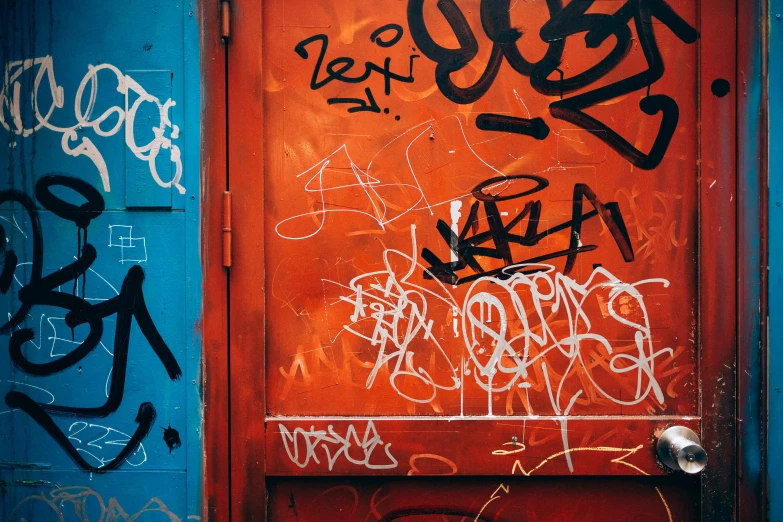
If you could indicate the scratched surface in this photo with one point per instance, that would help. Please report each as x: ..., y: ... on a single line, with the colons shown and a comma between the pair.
x: 419, y: 264
x: 480, y: 234
x: 99, y: 358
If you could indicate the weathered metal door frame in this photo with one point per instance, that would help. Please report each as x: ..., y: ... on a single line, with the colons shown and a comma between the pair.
x: 232, y: 324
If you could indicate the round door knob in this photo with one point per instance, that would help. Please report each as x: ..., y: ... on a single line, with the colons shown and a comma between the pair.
x: 680, y: 449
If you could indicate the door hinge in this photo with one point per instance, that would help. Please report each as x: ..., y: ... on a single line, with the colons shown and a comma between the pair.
x: 227, y: 229
x: 225, y: 20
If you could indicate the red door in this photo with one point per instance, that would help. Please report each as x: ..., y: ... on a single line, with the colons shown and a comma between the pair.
x: 484, y: 256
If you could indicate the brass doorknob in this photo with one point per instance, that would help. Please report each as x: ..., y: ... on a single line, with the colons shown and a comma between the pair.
x: 680, y: 449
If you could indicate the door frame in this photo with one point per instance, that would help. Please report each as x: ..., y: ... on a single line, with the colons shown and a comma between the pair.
x: 232, y: 324
x: 215, y: 390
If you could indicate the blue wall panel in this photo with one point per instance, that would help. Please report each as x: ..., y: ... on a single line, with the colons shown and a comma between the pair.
x: 106, y: 96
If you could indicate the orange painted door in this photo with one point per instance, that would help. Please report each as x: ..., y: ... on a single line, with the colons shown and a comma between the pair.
x: 484, y: 255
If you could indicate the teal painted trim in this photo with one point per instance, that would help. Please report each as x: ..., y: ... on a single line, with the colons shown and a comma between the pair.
x: 775, y: 281
x: 750, y: 135
x: 192, y: 157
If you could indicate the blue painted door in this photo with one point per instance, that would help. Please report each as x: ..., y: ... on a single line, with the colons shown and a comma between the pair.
x: 99, y: 209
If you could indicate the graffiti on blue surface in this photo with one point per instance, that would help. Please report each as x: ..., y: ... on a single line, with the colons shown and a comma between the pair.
x: 46, y: 99
x: 47, y: 290
x: 87, y: 505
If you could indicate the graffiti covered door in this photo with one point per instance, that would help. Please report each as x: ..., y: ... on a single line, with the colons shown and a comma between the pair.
x: 495, y: 258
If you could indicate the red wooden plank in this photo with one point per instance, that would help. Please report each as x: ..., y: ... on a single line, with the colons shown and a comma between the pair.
x: 214, y: 322
x: 465, y: 446
x: 247, y: 321
x: 717, y: 257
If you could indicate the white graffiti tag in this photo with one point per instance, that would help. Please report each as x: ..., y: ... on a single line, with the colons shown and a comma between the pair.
x: 302, y: 446
x: 529, y: 328
x: 91, y: 440
x: 381, y: 192
x: 549, y: 308
x: 112, y: 121
x: 391, y: 312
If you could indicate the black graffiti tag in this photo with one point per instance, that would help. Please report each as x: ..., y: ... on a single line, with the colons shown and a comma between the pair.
x: 337, y: 69
x: 495, y: 243
x: 545, y: 75
x: 42, y: 290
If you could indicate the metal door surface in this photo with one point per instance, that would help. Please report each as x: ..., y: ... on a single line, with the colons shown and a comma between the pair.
x: 484, y: 254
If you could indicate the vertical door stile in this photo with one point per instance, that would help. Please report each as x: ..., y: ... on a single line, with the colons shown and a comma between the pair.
x: 247, y: 279
x: 214, y: 327
x: 717, y: 257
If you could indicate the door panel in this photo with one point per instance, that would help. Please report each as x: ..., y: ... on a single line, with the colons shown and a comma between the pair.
x: 484, y: 238
x: 378, y: 320
x: 465, y: 446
